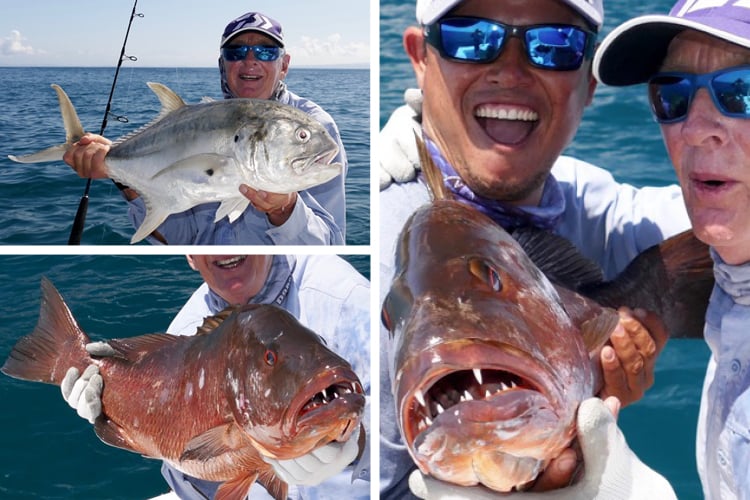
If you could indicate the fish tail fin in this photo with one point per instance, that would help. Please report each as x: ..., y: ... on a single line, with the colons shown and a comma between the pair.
x: 432, y: 174
x: 690, y: 274
x: 73, y: 132
x: 56, y: 344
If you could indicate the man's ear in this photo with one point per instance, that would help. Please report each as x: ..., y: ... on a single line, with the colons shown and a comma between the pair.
x: 191, y: 263
x: 416, y: 49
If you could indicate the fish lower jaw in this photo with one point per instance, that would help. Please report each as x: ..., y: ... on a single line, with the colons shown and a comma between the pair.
x: 494, y: 470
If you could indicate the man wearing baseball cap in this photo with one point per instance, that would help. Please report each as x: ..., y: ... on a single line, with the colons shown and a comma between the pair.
x: 253, y: 64
x: 696, y: 63
x: 496, y: 114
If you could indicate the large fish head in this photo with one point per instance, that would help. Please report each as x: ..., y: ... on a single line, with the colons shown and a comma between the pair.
x: 487, y: 366
x: 292, y: 394
x: 285, y: 150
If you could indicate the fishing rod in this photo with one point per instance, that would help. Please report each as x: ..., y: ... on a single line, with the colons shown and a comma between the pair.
x: 77, y: 230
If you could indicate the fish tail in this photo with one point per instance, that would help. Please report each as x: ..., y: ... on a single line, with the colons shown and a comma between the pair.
x: 56, y: 344
x: 73, y: 132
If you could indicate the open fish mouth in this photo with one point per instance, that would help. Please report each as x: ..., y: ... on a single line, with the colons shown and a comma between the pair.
x: 478, y: 384
x: 335, y: 399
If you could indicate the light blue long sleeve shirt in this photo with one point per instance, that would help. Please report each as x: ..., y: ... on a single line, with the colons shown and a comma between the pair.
x: 331, y: 298
x: 609, y: 222
x: 318, y: 218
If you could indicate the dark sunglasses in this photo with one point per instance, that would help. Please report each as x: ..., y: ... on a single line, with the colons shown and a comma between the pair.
x: 560, y: 47
x: 671, y: 93
x: 263, y: 53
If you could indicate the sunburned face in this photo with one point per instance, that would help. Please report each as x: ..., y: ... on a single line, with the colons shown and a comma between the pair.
x: 235, y: 278
x: 711, y: 152
x: 253, y: 78
x: 502, y: 125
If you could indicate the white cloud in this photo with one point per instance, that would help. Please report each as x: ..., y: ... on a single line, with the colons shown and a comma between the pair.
x: 333, y: 46
x: 15, y: 45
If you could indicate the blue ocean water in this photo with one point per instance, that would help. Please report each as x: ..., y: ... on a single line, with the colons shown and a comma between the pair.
x: 39, y: 201
x: 47, y: 450
x: 619, y: 134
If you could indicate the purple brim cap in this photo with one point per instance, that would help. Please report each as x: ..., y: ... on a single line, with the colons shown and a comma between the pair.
x: 253, y: 21
x: 634, y: 51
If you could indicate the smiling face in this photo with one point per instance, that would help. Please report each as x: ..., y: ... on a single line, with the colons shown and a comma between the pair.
x: 502, y: 125
x: 711, y: 152
x: 235, y: 278
x: 253, y: 78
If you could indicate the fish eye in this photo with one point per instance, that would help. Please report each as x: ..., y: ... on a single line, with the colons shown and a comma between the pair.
x: 303, y: 135
x: 487, y: 273
x: 270, y: 357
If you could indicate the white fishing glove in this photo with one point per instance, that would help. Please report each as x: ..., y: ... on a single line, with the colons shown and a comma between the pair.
x: 399, y: 159
x: 612, y: 470
x: 84, y: 392
x: 318, y: 465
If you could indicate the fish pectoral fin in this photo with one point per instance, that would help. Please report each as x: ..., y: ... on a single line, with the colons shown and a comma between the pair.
x: 231, y: 208
x: 214, y: 442
x: 236, y: 489
x: 597, y: 330
x: 198, y: 169
x: 275, y: 486
x: 114, y: 435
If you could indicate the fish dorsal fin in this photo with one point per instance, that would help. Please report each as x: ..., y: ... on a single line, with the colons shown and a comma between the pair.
x: 558, y: 258
x: 168, y: 98
x: 211, y: 323
x: 598, y: 329
x: 134, y: 348
x: 432, y: 175
x: 73, y: 128
x: 214, y: 442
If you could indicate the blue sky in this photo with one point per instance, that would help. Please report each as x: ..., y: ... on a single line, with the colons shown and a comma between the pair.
x: 175, y: 33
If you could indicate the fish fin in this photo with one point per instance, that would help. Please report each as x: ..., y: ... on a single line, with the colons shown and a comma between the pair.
x: 204, y: 164
x: 206, y: 99
x: 558, y: 258
x: 168, y: 98
x: 231, y: 208
x: 56, y: 343
x: 211, y: 323
x: 114, y: 435
x: 673, y: 279
x: 214, y: 442
x: 73, y: 132
x: 433, y: 176
x: 150, y: 223
x: 277, y: 488
x: 597, y: 330
x: 236, y: 489
x: 134, y: 348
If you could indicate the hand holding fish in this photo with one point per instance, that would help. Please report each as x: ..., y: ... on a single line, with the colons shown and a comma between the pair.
x: 628, y: 363
x: 399, y: 159
x: 613, y: 471
x: 277, y: 206
x: 86, y: 156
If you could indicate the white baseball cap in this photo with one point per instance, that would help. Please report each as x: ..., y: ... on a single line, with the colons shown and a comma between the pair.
x: 429, y: 11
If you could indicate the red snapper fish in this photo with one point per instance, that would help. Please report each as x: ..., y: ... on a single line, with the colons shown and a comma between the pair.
x: 252, y: 382
x: 492, y: 353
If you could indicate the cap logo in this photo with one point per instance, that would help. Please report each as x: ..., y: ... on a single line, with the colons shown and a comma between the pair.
x: 695, y: 5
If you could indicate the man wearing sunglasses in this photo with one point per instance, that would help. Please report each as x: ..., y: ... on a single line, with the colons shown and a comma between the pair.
x: 496, y: 114
x: 696, y: 63
x: 252, y: 64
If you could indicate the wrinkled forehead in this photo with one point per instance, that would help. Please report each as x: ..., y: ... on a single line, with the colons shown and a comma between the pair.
x: 696, y: 52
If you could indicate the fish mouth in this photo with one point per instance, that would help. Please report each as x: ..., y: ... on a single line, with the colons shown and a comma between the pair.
x: 302, y: 165
x: 329, y: 408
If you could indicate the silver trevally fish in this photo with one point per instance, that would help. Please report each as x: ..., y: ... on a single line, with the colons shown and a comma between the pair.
x: 201, y: 153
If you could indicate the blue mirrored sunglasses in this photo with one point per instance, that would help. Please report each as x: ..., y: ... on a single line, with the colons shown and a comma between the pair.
x: 560, y: 47
x: 671, y: 93
x: 263, y: 53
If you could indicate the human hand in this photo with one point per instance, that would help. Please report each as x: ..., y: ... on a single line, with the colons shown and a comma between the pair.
x: 399, y: 159
x: 628, y: 363
x: 278, y: 207
x: 318, y: 465
x: 86, y: 156
x: 84, y: 392
x: 612, y: 471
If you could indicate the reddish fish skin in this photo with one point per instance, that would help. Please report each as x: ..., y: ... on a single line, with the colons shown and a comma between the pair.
x: 469, y: 310
x: 209, y: 404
